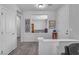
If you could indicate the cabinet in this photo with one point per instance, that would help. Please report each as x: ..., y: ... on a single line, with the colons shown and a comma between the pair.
x: 8, y: 40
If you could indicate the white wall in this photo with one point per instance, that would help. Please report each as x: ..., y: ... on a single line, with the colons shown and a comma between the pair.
x: 63, y: 21
x: 29, y: 37
x: 18, y: 21
x: 68, y: 18
x: 74, y: 20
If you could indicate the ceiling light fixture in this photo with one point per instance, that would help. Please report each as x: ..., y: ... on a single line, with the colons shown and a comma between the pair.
x: 41, y: 6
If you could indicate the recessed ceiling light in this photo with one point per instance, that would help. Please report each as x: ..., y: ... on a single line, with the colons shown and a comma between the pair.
x: 41, y: 6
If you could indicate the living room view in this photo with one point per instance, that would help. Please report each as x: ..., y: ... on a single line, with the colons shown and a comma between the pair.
x: 39, y: 29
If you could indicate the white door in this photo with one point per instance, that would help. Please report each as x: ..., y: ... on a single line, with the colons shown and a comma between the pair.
x: 8, y: 31
x: 1, y: 41
x: 2, y: 28
x: 0, y: 33
x: 11, y: 31
x: 3, y: 31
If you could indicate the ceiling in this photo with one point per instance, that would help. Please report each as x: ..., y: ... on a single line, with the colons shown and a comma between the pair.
x: 31, y: 7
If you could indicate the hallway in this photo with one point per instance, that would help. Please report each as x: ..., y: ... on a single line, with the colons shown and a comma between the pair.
x: 26, y: 48
x: 30, y: 29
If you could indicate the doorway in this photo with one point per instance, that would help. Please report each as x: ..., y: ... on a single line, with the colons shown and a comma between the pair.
x: 18, y: 22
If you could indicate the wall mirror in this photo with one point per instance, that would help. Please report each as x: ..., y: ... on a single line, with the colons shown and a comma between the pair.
x: 39, y: 23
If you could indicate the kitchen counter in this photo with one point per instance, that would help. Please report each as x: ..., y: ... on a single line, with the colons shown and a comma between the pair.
x: 58, y: 39
x: 53, y: 46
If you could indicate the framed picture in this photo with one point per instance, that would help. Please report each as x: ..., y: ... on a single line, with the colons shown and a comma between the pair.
x: 27, y: 25
x: 52, y: 24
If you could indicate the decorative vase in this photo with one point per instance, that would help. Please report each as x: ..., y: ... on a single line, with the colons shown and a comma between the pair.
x: 32, y: 28
x: 54, y: 34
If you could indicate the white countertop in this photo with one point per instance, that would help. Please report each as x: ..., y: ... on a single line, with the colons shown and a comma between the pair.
x: 42, y: 39
x: 60, y: 40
